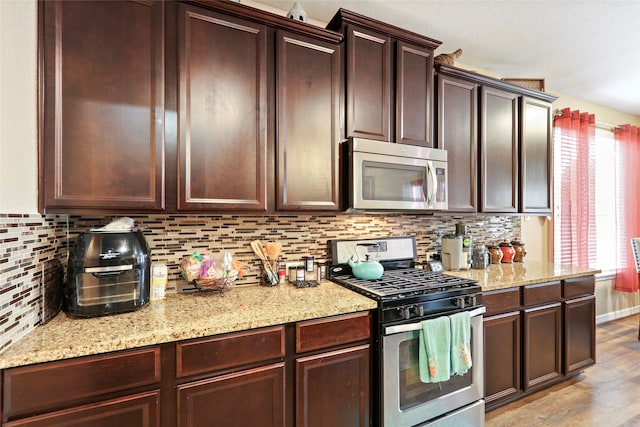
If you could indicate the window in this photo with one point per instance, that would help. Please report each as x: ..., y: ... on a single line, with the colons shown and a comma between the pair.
x: 591, y: 191
x: 606, y: 200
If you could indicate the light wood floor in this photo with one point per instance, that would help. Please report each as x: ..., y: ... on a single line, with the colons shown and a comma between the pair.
x: 604, y: 395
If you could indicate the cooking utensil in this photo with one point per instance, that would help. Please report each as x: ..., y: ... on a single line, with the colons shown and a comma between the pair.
x: 259, y: 250
x: 273, y: 250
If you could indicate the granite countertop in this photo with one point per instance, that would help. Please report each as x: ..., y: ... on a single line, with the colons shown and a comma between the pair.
x: 502, y: 276
x: 182, y: 316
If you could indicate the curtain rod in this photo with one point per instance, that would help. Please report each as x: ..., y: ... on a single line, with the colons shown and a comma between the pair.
x: 601, y: 125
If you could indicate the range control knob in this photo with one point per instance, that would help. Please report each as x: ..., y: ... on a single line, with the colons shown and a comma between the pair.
x: 419, y: 310
x: 405, y: 313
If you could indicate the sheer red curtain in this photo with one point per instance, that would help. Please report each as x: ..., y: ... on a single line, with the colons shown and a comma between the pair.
x: 574, y: 175
x: 628, y: 145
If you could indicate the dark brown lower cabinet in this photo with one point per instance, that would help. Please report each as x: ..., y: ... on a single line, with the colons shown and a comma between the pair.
x: 542, y: 340
x: 311, y: 373
x: 249, y: 397
x: 332, y: 389
x: 502, y: 350
x: 579, y: 334
x: 537, y: 335
x: 136, y: 410
x: 113, y: 389
x: 332, y: 375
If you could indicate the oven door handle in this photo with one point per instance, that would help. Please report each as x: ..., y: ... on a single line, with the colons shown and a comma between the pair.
x: 390, y: 330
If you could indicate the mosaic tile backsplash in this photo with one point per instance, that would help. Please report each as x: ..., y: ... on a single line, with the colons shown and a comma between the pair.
x: 28, y: 241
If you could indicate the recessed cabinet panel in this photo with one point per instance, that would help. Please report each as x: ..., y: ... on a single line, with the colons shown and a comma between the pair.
x: 332, y: 389
x: 458, y: 134
x: 138, y: 410
x: 414, y: 96
x: 368, y: 84
x: 255, y: 397
x: 535, y: 156
x: 542, y: 345
x: 76, y: 379
x: 103, y: 112
x: 499, y: 151
x: 223, y: 109
x: 503, y: 360
x: 227, y: 351
x: 579, y: 334
x: 308, y: 85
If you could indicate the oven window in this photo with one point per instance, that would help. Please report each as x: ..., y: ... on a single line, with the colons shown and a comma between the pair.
x: 414, y: 392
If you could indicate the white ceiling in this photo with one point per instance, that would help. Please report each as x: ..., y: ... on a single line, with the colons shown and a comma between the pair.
x: 586, y: 49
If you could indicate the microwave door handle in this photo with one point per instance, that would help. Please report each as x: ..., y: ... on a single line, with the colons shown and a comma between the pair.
x: 431, y: 194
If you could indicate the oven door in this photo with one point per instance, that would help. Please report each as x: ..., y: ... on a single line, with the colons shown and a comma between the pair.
x: 406, y: 400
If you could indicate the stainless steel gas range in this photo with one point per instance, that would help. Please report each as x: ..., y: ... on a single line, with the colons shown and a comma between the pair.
x: 406, y: 297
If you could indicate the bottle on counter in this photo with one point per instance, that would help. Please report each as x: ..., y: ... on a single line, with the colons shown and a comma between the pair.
x: 159, y: 279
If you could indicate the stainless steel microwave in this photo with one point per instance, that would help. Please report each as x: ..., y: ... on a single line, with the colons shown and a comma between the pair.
x: 386, y: 176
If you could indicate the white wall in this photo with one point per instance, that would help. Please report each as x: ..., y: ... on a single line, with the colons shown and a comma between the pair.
x: 18, y: 101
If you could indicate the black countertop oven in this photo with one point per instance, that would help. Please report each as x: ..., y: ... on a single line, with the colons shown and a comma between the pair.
x: 108, y: 272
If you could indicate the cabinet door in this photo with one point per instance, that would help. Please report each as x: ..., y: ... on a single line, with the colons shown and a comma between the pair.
x: 579, y: 334
x: 332, y: 389
x: 535, y: 156
x: 103, y: 115
x: 498, y: 151
x: 458, y: 134
x: 542, y: 345
x: 414, y: 94
x: 254, y: 397
x: 47, y: 387
x: 368, y: 84
x: 140, y: 410
x: 502, y: 357
x: 308, y: 93
x: 223, y: 112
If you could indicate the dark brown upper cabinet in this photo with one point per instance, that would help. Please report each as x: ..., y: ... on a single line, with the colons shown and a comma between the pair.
x: 389, y: 87
x: 222, y: 145
x: 498, y: 139
x: 187, y: 106
x: 259, y: 113
x: 535, y: 156
x: 498, y: 150
x: 308, y: 89
x: 102, y: 105
x: 457, y: 132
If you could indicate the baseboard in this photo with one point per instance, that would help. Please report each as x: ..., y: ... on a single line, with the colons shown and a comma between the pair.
x: 618, y: 314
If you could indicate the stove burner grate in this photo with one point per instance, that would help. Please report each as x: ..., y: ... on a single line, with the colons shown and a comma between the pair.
x: 409, y: 281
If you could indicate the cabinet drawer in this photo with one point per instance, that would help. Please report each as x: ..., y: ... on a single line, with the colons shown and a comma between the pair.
x: 140, y: 410
x: 501, y: 300
x: 230, y: 350
x: 578, y: 286
x: 333, y: 331
x: 541, y: 293
x: 72, y: 380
